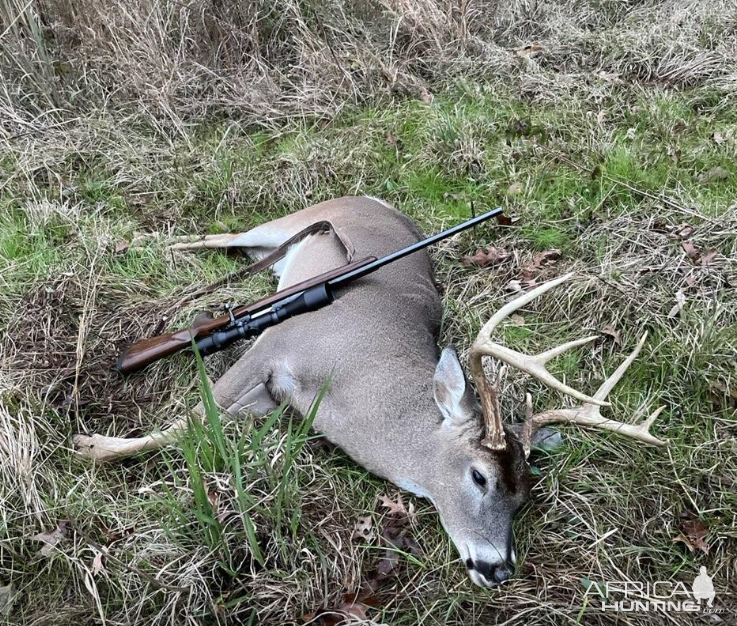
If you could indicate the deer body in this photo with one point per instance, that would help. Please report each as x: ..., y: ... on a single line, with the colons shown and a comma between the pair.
x: 376, y: 343
x: 392, y: 404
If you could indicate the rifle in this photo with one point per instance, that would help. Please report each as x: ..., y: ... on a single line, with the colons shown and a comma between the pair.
x: 212, y: 334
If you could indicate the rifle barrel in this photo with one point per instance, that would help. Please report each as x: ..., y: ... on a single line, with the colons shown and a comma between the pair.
x: 369, y: 268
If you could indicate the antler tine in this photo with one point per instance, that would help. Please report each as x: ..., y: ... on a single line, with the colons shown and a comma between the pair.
x: 531, y: 364
x: 494, y: 437
x: 590, y: 414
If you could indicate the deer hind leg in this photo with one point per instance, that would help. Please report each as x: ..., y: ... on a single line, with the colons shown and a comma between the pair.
x: 264, y: 239
x: 242, y: 387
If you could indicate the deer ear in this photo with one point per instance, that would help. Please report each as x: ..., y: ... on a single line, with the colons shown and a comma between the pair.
x: 449, y: 386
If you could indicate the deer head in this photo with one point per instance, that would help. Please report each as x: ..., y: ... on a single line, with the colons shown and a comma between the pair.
x: 482, y: 479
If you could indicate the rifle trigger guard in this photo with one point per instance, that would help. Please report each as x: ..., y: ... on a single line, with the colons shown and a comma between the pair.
x: 233, y: 321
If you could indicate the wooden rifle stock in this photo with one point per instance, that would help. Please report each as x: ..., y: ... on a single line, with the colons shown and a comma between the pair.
x: 146, y: 351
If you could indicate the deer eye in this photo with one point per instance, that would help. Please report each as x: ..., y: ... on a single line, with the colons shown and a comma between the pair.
x: 478, y: 478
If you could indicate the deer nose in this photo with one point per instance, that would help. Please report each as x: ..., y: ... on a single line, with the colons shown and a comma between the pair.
x: 494, y: 573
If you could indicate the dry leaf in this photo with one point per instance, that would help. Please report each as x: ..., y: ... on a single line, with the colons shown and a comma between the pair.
x: 399, y: 538
x: 364, y: 529
x: 386, y: 565
x: 395, y: 508
x: 544, y: 259
x: 693, y: 535
x: 530, y: 51
x: 680, y: 301
x: 427, y: 97
x: 52, y: 538
x: 487, y: 257
x: 514, y: 286
x: 352, y: 609
x: 514, y: 189
x: 691, y: 250
x: 505, y: 220
x: 610, y: 331
x: 708, y: 257
x: 121, y: 247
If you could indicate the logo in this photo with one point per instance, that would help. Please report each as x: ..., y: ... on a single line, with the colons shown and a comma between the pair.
x: 662, y: 596
x: 702, y: 587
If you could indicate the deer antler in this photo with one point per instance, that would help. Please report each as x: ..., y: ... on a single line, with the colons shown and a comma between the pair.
x: 589, y: 414
x: 532, y: 364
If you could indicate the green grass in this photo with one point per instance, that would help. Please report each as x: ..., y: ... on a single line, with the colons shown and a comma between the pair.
x: 252, y: 520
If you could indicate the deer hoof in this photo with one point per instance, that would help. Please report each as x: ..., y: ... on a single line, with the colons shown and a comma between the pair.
x: 96, y: 447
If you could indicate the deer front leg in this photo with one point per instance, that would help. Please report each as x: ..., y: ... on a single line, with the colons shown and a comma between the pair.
x: 242, y: 387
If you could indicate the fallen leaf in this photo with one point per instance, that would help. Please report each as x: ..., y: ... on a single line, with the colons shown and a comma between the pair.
x: 719, y: 138
x: 121, y: 247
x: 395, y: 508
x: 514, y: 286
x: 51, y: 539
x: 352, y: 609
x: 514, y: 189
x: 427, y: 97
x: 691, y: 250
x: 386, y: 565
x: 486, y: 257
x: 546, y: 258
x: 693, y: 534
x: 715, y: 173
x: 680, y: 301
x: 364, y: 529
x: 97, y: 565
x: 529, y: 51
x: 399, y: 538
x: 610, y: 331
x: 681, y: 538
x: 658, y: 226
x: 505, y: 220
x: 7, y: 596
x: 708, y: 257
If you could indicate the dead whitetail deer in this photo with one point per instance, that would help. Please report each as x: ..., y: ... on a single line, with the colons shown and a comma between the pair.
x: 393, y: 405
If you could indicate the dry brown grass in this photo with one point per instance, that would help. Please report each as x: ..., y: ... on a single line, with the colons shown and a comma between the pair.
x: 140, y: 121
